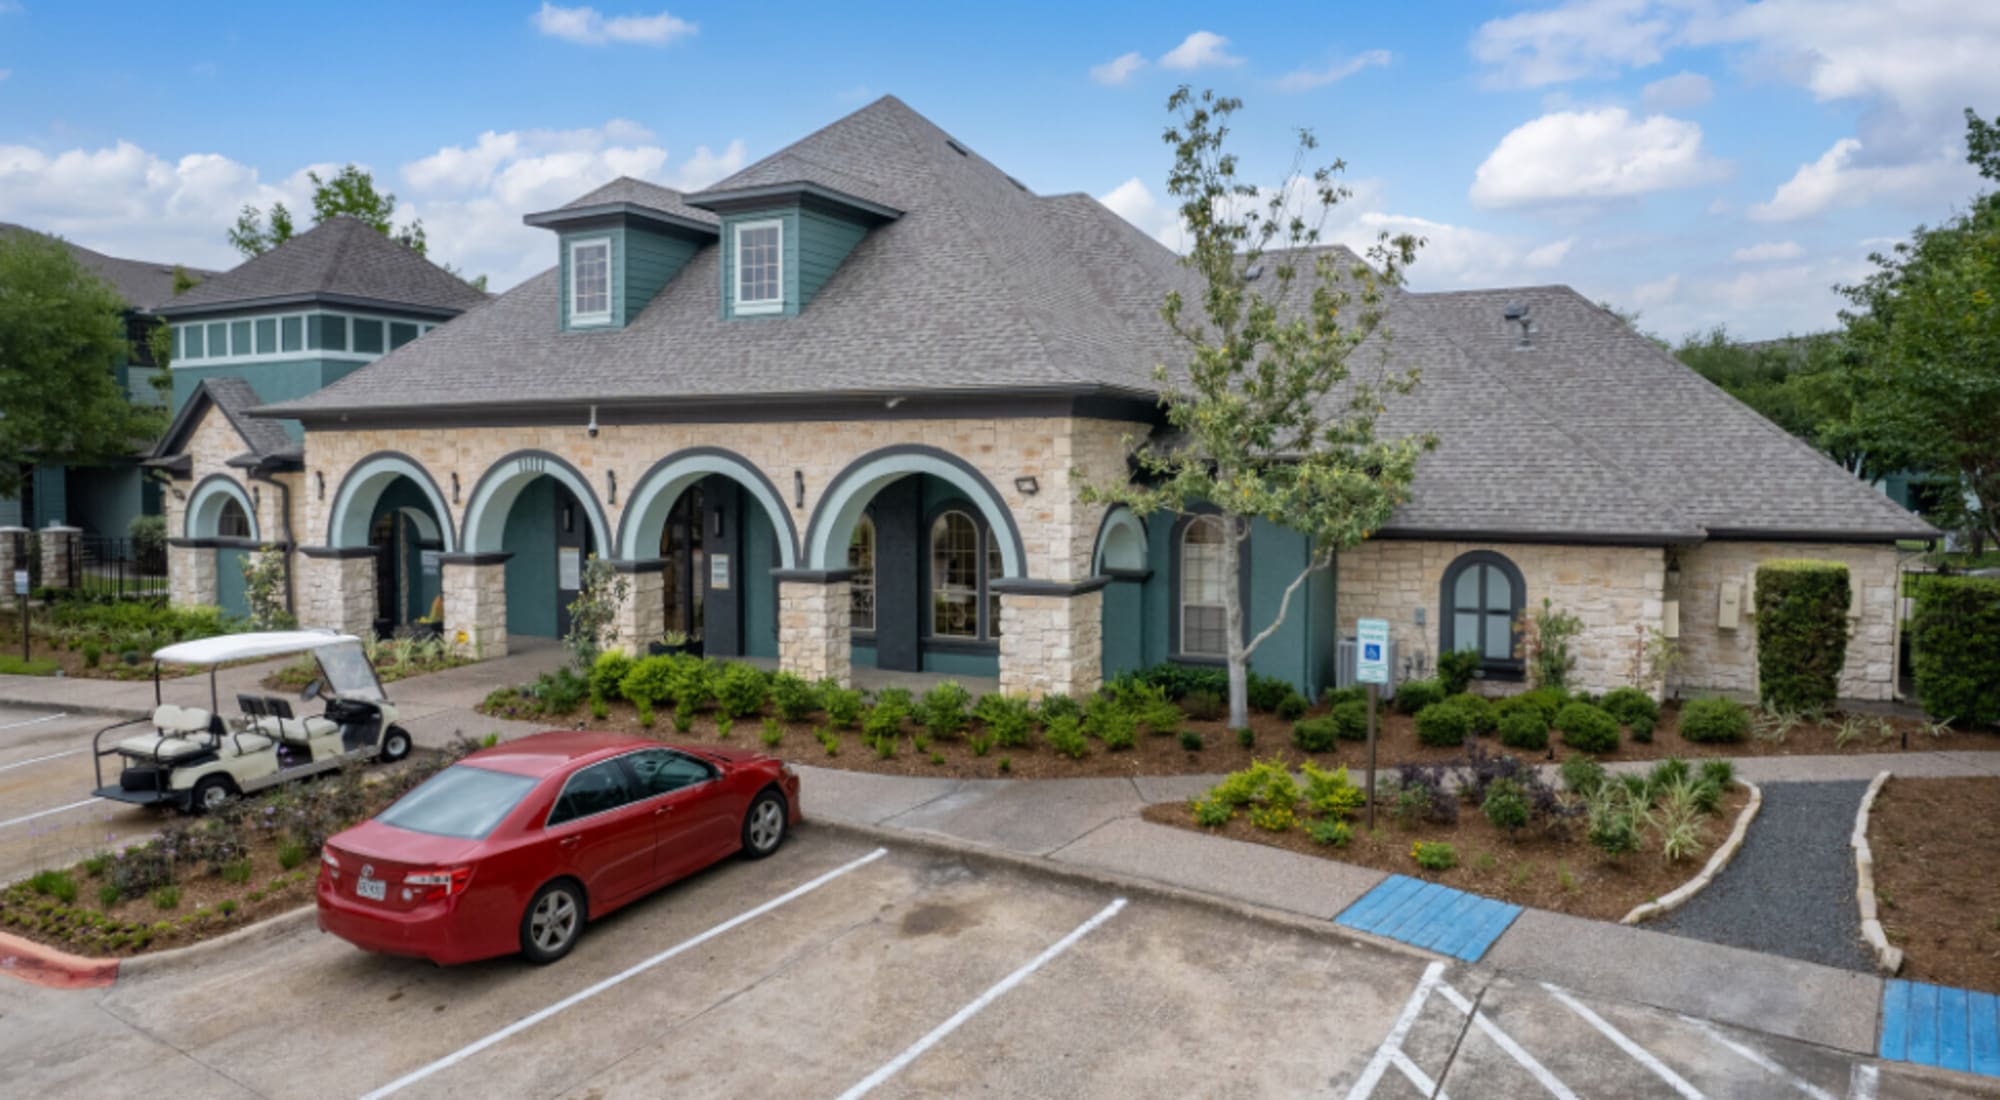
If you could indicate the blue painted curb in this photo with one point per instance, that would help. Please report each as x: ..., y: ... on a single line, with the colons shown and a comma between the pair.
x: 1937, y: 1025
x: 1435, y: 918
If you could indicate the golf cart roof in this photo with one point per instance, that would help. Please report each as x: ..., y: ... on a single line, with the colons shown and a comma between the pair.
x: 224, y: 648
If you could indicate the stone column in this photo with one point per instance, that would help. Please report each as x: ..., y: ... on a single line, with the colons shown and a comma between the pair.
x: 1051, y: 637
x: 643, y: 616
x: 338, y: 592
x: 62, y: 556
x: 13, y: 555
x: 190, y: 574
x: 475, y: 604
x: 813, y: 619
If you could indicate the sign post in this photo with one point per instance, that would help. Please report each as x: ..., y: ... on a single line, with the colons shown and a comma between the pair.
x: 1371, y: 667
x: 21, y: 593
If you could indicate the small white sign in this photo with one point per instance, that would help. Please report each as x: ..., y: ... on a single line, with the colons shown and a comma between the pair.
x: 718, y: 571
x: 1371, y: 651
x: 428, y: 559
x: 569, y: 569
x: 20, y: 582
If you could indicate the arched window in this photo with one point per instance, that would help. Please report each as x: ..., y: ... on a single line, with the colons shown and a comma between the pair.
x: 861, y: 587
x: 955, y: 586
x: 233, y: 522
x: 1204, y: 620
x: 994, y: 568
x: 1482, y: 600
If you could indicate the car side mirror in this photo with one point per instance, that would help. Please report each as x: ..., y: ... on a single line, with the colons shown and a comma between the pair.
x: 311, y: 691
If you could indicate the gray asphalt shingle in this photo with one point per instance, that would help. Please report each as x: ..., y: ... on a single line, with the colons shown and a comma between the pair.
x: 142, y: 283
x: 343, y: 257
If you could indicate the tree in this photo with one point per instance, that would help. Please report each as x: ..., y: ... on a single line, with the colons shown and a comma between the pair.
x: 350, y: 192
x: 161, y: 339
x: 1800, y: 383
x: 1266, y: 418
x: 62, y: 333
x: 1925, y: 329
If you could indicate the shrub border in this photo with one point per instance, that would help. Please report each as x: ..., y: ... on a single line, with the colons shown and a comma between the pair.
x: 1716, y: 862
x: 1888, y: 958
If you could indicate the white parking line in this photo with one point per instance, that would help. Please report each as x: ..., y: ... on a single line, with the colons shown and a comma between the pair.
x: 39, y: 759
x: 1506, y: 1042
x: 33, y: 721
x: 1392, y: 1047
x: 632, y: 971
x: 895, y: 1065
x: 1639, y: 1054
x: 44, y: 813
x: 1861, y: 1082
x: 1758, y: 1058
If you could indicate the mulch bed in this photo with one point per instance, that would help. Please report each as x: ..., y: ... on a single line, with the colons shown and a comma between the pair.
x: 1162, y: 755
x: 1538, y: 867
x: 1936, y: 844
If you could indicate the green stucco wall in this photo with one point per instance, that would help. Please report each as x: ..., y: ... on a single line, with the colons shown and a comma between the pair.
x: 760, y: 609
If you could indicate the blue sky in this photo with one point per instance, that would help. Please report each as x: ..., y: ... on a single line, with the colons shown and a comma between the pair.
x: 1702, y: 161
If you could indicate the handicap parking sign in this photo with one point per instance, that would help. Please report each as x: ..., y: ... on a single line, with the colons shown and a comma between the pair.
x: 1371, y: 666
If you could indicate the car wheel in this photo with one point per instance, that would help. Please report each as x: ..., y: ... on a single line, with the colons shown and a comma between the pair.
x: 395, y: 745
x: 764, y: 826
x: 552, y: 923
x: 209, y: 793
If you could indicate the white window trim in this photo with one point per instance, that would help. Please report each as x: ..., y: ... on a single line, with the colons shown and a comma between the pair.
x: 762, y: 305
x: 1180, y: 596
x: 578, y: 318
x: 228, y: 355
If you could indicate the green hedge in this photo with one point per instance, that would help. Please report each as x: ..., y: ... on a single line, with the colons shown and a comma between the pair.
x: 1955, y: 641
x: 1801, y: 634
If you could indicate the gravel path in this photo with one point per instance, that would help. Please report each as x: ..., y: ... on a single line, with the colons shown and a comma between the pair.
x: 1790, y: 890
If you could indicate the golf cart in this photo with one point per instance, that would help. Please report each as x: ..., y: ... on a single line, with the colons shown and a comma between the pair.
x: 193, y: 759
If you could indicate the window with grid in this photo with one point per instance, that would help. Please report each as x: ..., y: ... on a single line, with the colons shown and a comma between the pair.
x: 759, y: 266
x: 994, y: 568
x: 1483, y: 597
x: 1204, y: 621
x: 590, y: 280
x: 233, y: 523
x: 861, y: 587
x: 954, y: 576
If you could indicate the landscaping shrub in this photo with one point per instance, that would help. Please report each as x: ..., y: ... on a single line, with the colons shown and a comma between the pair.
x: 1443, y: 725
x: 1212, y: 814
x: 53, y: 884
x: 843, y: 705
x: 1414, y: 695
x: 1506, y: 805
x: 1642, y: 729
x: 1350, y: 720
x: 1719, y: 772
x: 1266, y: 693
x: 1180, y: 681
x: 1332, y: 831
x: 1955, y: 648
x: 1246, y: 737
x: 1191, y: 740
x: 1455, y: 670
x: 1331, y: 794
x: 1801, y: 634
x: 1065, y: 736
x: 648, y: 680
x: 1292, y: 707
x: 1714, y: 719
x: 1587, y: 728
x: 559, y: 692
x: 1613, y: 822
x: 1434, y: 855
x: 1523, y: 728
x: 1479, y: 709
x: 1007, y: 717
x: 740, y: 690
x: 1631, y: 707
x: 1424, y: 791
x: 1055, y: 707
x: 1149, y: 705
x: 1202, y: 706
x: 1582, y: 776
x: 1105, y: 719
x: 1315, y: 734
x: 943, y: 709
x: 793, y: 697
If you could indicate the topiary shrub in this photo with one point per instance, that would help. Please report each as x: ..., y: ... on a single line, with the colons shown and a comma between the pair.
x: 1801, y: 634
x: 1479, y: 709
x: 1350, y: 720
x: 1292, y: 707
x: 1955, y: 648
x: 1523, y: 728
x: 1631, y: 707
x: 1265, y: 693
x: 1315, y: 734
x: 1443, y: 725
x: 1587, y: 728
x: 1414, y: 695
x: 1455, y: 670
x: 1715, y: 719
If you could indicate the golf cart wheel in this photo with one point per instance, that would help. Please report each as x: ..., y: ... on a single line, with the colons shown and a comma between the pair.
x: 553, y: 922
x: 764, y: 826
x: 209, y: 793
x: 395, y: 745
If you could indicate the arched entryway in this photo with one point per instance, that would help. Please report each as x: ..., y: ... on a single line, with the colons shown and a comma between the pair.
x: 542, y: 513
x: 222, y: 514
x: 1123, y: 555
x: 389, y: 503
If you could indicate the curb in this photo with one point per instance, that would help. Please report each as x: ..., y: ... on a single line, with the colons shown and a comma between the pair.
x: 1888, y: 958
x: 1716, y: 862
x: 76, y: 708
x: 1322, y: 928
x: 47, y: 966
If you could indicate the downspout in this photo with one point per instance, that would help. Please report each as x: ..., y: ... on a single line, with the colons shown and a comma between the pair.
x: 284, y: 523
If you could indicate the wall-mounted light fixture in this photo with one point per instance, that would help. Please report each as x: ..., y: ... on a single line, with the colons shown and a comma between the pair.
x: 611, y: 479
x: 256, y: 499
x: 715, y: 523
x: 592, y: 426
x: 178, y: 495
x: 1027, y: 486
x: 320, y: 481
x: 798, y: 488
x: 454, y: 486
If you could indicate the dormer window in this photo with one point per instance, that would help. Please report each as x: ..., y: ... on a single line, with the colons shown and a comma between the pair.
x: 590, y: 282
x: 760, y: 274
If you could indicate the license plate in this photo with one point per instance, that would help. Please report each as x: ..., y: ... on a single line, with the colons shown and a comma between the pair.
x: 374, y: 889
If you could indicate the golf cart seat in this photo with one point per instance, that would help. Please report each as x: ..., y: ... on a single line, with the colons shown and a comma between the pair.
x: 162, y: 749
x: 297, y: 732
x: 181, y: 732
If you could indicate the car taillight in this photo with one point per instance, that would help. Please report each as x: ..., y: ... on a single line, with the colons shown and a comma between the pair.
x: 431, y: 885
x: 330, y: 862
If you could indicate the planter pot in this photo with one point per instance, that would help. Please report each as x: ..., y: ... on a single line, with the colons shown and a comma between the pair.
x: 662, y: 649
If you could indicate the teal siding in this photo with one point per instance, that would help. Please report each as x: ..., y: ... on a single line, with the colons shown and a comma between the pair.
x: 651, y: 262
x: 230, y: 594
x: 962, y: 664
x: 760, y: 610
x: 51, y: 495
x: 274, y: 382
x: 531, y: 573
x: 862, y: 656
x: 104, y: 500
x: 1124, y: 627
x: 824, y: 241
x: 10, y: 512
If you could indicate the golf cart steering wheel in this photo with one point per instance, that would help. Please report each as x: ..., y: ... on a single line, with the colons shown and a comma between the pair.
x: 311, y: 691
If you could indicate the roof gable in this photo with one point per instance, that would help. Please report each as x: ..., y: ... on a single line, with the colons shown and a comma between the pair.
x: 342, y: 260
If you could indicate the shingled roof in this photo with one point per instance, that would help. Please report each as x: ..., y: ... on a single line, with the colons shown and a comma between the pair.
x: 142, y: 283
x: 982, y: 287
x: 267, y: 439
x: 342, y: 261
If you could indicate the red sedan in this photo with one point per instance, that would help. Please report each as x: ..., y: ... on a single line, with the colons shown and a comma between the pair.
x: 515, y: 847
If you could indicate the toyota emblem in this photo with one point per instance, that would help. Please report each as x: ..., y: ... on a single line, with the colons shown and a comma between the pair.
x: 367, y: 870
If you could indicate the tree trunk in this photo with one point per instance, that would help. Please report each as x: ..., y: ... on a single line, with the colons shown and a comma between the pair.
x: 1232, y: 604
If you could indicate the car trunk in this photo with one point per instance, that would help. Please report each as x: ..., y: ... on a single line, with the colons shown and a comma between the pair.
x: 388, y: 854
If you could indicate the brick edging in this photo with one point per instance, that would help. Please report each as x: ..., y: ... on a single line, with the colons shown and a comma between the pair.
x: 1888, y: 958
x: 1716, y: 862
x: 52, y: 967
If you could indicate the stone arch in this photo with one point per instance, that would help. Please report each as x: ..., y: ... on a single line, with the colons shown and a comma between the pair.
x: 354, y: 502
x: 654, y: 495
x: 1121, y: 542
x: 205, y: 504
x: 834, y: 517
x: 486, y: 514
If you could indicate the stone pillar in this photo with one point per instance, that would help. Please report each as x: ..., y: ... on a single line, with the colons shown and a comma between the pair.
x: 190, y: 574
x: 338, y: 592
x: 1051, y: 637
x: 13, y: 555
x: 475, y: 604
x: 62, y: 556
x: 643, y: 616
x: 813, y: 619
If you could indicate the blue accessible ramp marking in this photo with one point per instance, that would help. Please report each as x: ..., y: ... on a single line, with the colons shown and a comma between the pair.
x: 1935, y: 1025
x: 1435, y: 918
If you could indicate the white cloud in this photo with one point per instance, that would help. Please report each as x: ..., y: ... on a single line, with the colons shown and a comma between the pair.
x: 1119, y: 69
x: 588, y: 26
x: 1548, y: 255
x: 1134, y: 201
x: 1655, y: 294
x: 1840, y: 178
x: 1306, y: 79
x: 1592, y: 155
x: 706, y: 166
x: 1577, y: 39
x: 1200, y: 50
x: 1768, y: 252
x: 1678, y: 92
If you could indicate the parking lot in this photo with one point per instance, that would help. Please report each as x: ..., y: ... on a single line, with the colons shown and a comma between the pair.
x: 47, y: 815
x: 839, y: 969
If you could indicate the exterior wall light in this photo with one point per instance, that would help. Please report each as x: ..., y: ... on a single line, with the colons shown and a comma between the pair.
x: 798, y: 488
x: 454, y: 486
x: 1027, y: 486
x: 611, y: 479
x: 320, y: 480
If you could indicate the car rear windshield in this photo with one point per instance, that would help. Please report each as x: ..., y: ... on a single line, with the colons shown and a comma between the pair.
x: 461, y: 801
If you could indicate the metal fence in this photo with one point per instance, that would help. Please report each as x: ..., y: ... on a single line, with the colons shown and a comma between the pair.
x: 120, y: 568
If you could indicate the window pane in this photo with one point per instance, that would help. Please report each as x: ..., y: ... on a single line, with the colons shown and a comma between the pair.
x: 218, y: 339
x: 1203, y: 631
x: 332, y: 331
x: 367, y: 336
x: 757, y: 264
x: 861, y: 587
x: 593, y: 790
x: 590, y: 277
x: 192, y: 346
x: 233, y: 523
x: 661, y: 772
x: 1499, y: 638
x: 1499, y: 590
x: 954, y: 576
x: 1465, y: 630
x: 462, y: 801
x: 290, y: 333
x: 1203, y: 616
x: 267, y: 335
x: 239, y: 338
x: 995, y: 568
x: 400, y: 333
x: 1465, y: 591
